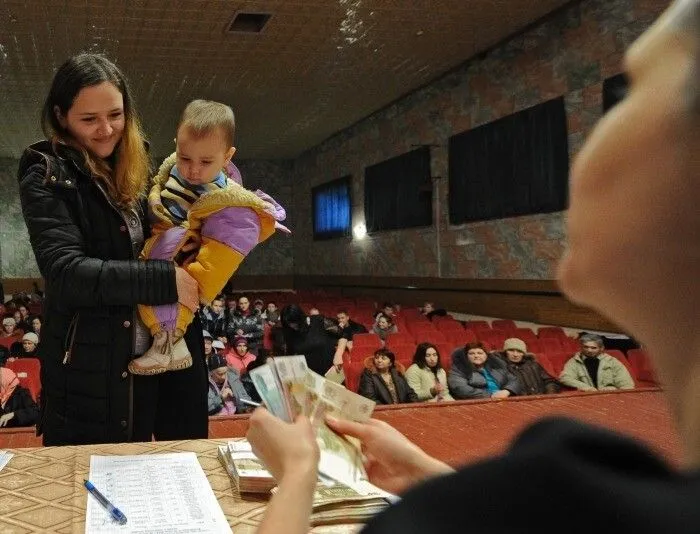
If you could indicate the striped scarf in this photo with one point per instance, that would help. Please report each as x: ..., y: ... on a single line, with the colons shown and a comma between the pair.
x: 178, y: 195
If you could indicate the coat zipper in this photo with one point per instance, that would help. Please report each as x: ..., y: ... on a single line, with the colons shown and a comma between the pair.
x: 70, y: 338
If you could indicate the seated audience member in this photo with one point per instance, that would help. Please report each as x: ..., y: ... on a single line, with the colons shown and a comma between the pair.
x: 347, y: 328
x: 476, y: 375
x: 208, y: 341
x: 532, y: 376
x: 426, y: 376
x: 388, y: 310
x: 36, y: 325
x: 16, y: 404
x: 8, y: 328
x: 218, y: 347
x: 213, y: 319
x: 592, y: 369
x: 225, y: 388
x: 313, y: 337
x: 271, y: 315
x: 384, y: 327
x: 246, y: 322
x: 383, y: 380
x: 259, y: 306
x: 239, y: 357
x: 17, y: 316
x: 430, y: 311
x: 231, y: 304
x: 314, y: 311
x: 26, y: 348
x: 23, y: 322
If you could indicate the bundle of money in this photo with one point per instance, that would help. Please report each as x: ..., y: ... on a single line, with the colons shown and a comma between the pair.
x: 245, y: 469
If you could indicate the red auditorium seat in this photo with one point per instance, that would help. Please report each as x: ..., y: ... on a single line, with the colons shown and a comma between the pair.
x: 366, y: 342
x: 504, y: 324
x: 449, y: 326
x: 558, y: 360
x: 641, y: 363
x: 570, y: 344
x: 525, y: 334
x: 493, y: 341
x: 550, y: 344
x: 547, y: 365
x: 446, y: 350
x: 536, y: 346
x: 400, y: 338
x: 550, y: 331
x: 8, y: 341
x: 29, y: 373
x: 434, y: 337
x: 353, y: 370
x: 461, y: 338
x: 478, y: 325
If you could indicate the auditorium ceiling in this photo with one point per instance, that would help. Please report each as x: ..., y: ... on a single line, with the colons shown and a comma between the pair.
x: 294, y: 71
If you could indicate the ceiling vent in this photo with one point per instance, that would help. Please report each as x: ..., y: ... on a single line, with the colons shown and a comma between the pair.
x: 248, y: 22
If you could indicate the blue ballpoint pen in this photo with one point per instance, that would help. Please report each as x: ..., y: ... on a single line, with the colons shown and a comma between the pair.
x: 116, y: 514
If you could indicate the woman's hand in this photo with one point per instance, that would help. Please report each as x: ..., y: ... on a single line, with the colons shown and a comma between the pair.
x: 187, y: 289
x: 6, y: 418
x: 288, y: 450
x: 392, y: 462
x: 501, y: 394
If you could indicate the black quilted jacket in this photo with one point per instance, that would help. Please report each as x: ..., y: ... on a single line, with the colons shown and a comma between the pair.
x: 83, y: 246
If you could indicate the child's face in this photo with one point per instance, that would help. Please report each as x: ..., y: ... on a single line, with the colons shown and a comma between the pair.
x: 200, y: 158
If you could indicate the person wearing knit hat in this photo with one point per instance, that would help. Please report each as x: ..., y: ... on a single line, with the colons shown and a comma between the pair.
x: 8, y: 327
x: 29, y: 342
x: 225, y: 388
x: 240, y: 356
x: 532, y: 375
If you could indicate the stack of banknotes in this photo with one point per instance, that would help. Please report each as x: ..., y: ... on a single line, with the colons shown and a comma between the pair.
x: 289, y: 388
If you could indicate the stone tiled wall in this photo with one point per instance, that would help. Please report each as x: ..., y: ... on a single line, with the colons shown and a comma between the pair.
x: 570, y: 54
x: 16, y: 256
x: 274, y: 257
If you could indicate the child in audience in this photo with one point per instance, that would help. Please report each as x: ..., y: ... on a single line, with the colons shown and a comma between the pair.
x: 202, y: 219
x: 225, y: 388
x: 16, y: 404
x: 383, y: 380
x: 384, y: 327
x: 426, y: 376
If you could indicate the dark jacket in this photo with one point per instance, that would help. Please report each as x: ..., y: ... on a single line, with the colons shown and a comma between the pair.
x: 467, y: 383
x: 373, y: 387
x: 25, y: 409
x: 532, y: 376
x: 87, y: 252
x: 310, y: 336
x: 214, y: 324
x: 251, y: 324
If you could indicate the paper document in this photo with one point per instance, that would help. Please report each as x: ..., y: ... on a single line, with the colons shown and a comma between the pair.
x: 164, y: 493
x: 4, y: 458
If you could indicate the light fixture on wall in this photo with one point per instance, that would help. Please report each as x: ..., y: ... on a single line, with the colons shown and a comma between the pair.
x: 359, y: 231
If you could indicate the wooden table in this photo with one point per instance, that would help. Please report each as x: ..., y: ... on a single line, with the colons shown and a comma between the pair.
x: 41, y: 489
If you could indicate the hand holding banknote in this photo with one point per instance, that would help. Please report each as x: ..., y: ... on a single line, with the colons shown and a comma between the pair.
x: 392, y: 462
x: 286, y: 449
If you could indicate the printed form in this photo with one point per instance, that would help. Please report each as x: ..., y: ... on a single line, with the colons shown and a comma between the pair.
x: 160, y: 493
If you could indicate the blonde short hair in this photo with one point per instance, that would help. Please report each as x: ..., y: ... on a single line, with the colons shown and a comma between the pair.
x: 203, y: 117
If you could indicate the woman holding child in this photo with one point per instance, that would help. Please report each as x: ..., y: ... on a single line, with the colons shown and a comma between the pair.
x: 82, y: 193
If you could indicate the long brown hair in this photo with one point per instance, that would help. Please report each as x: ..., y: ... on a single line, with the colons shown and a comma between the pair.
x: 125, y: 178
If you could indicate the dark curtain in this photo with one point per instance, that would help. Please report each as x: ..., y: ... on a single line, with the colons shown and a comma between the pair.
x: 332, y: 209
x: 614, y: 90
x: 518, y: 165
x: 398, y: 192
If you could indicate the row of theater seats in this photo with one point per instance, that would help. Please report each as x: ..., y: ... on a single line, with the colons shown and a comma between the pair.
x: 637, y: 363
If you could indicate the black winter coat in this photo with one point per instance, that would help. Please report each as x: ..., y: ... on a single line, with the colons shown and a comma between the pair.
x: 373, y: 387
x: 87, y: 253
x: 25, y: 409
